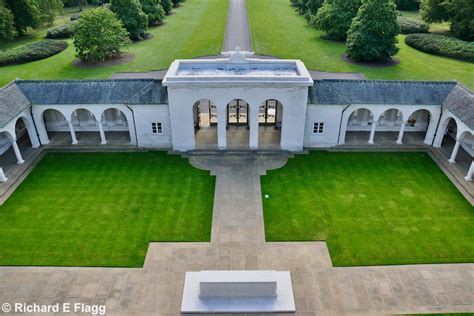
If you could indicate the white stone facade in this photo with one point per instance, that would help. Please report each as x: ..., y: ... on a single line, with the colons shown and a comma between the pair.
x: 298, y: 120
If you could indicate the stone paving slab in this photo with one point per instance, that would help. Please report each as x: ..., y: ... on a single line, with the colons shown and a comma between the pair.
x: 238, y: 243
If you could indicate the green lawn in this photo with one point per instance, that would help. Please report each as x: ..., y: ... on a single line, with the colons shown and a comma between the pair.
x: 277, y: 30
x: 102, y: 209
x: 371, y: 208
x: 195, y: 29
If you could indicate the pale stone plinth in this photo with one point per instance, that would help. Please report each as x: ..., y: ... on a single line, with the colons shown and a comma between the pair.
x: 237, y: 292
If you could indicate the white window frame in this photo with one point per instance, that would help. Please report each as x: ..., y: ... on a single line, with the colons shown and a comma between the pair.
x: 157, y: 127
x: 318, y: 128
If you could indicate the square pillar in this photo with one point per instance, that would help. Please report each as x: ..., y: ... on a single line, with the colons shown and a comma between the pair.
x: 253, y: 123
x: 102, y: 134
x: 470, y: 173
x: 400, y: 135
x: 3, y: 178
x: 222, y: 126
x: 372, y: 133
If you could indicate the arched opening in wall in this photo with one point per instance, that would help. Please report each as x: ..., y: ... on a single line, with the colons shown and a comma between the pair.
x: 56, y: 127
x: 85, y: 127
x: 449, y: 136
x: 465, y: 154
x: 270, y: 117
x: 205, y: 124
x: 416, y: 127
x: 388, y: 127
x: 238, y: 134
x: 359, y: 126
x: 115, y: 125
x: 7, y: 154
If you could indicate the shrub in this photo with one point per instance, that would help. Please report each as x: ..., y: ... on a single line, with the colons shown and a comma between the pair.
x: 99, y: 35
x: 335, y: 17
x: 408, y: 5
x: 373, y: 33
x: 61, y: 31
x: 132, y: 16
x: 154, y: 11
x: 442, y: 46
x: 31, y: 52
x: 409, y: 26
x: 167, y: 6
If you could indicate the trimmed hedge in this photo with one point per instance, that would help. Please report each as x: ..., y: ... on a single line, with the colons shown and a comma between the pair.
x: 442, y: 46
x: 409, y: 26
x: 61, y: 31
x: 31, y: 52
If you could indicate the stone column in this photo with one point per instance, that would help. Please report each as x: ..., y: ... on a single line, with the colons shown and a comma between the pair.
x: 3, y: 178
x: 455, y: 152
x: 253, y: 123
x: 73, y: 133
x: 470, y: 173
x: 372, y: 133
x: 102, y: 134
x: 19, y: 158
x: 222, y: 127
x: 400, y: 135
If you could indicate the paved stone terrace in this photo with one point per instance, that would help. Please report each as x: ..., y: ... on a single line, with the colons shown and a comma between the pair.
x: 238, y: 243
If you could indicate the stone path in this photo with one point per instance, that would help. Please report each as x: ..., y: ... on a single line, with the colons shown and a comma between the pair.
x: 237, y: 30
x: 238, y: 243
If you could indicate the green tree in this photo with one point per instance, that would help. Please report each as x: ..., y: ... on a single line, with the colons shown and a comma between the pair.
x: 314, y: 5
x: 335, y: 17
x: 176, y: 3
x: 461, y: 16
x: 7, y: 24
x: 373, y: 32
x: 49, y: 10
x: 26, y: 14
x: 154, y: 11
x: 167, y: 6
x: 432, y: 11
x: 131, y: 14
x: 99, y: 35
x: 408, y: 5
x: 302, y: 6
x: 459, y: 12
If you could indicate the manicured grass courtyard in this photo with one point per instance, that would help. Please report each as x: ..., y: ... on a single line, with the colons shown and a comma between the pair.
x: 371, y: 208
x: 195, y: 29
x: 102, y: 209
x: 279, y: 31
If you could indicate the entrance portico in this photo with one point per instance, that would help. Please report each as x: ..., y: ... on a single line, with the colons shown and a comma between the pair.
x: 238, y: 87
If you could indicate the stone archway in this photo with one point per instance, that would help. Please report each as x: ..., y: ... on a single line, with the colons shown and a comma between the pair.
x: 205, y: 124
x: 57, y: 127
x: 238, y: 124
x: 389, y: 127
x: 270, y: 121
x: 360, y: 127
x: 86, y: 127
x: 115, y: 127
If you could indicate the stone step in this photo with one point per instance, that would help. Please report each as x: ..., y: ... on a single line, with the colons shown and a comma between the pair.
x: 235, y: 152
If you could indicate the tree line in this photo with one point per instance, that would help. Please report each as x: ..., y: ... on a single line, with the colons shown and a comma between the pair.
x: 335, y: 16
x: 18, y: 16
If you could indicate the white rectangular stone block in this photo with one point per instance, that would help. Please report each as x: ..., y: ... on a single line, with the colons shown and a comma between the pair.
x: 225, y: 284
x: 240, y: 284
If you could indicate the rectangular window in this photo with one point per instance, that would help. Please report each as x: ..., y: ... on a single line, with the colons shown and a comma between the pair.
x: 318, y: 128
x: 157, y: 128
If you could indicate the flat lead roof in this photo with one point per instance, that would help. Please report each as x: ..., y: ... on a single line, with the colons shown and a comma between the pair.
x: 284, y: 69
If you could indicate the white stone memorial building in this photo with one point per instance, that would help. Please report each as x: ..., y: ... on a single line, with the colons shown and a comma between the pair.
x: 237, y: 102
